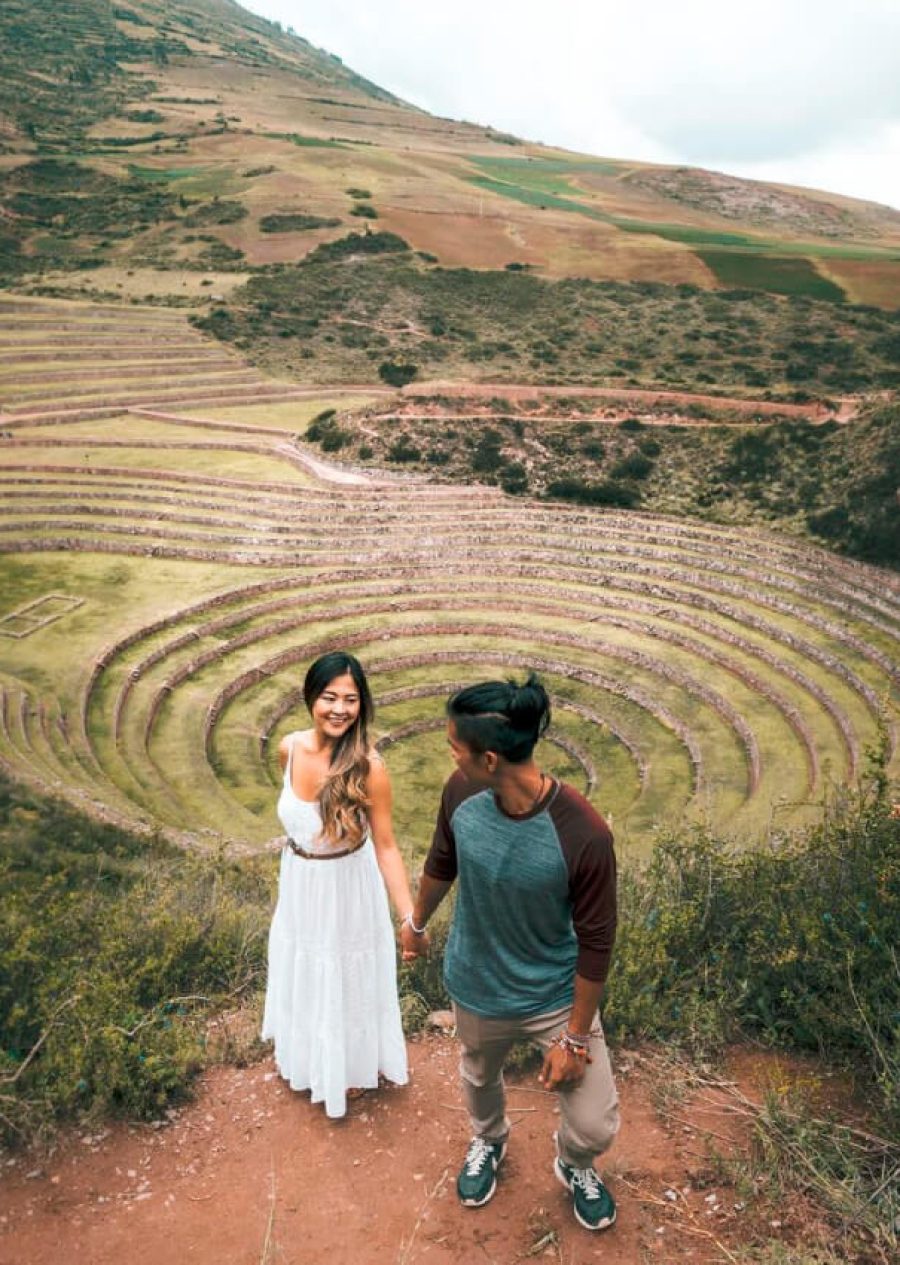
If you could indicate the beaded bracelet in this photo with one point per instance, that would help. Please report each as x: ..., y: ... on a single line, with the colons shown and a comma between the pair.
x: 567, y: 1042
x: 417, y: 931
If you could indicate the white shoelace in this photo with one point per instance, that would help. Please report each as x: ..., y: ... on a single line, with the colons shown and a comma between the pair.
x: 588, y: 1180
x: 476, y: 1157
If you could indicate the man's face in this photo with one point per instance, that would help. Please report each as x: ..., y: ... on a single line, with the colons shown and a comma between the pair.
x: 474, y: 766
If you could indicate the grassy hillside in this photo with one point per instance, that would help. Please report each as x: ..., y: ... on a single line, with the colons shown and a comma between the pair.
x: 262, y: 147
x: 368, y: 298
x: 835, y: 483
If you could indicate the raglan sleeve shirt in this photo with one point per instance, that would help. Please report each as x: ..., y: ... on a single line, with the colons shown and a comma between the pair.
x: 587, y: 847
x: 536, y: 899
x: 441, y: 862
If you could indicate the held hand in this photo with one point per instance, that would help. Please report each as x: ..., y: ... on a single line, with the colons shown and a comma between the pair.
x: 560, y: 1068
x: 413, y: 946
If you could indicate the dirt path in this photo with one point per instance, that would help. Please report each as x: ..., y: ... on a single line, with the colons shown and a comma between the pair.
x: 848, y: 408
x: 252, y: 1174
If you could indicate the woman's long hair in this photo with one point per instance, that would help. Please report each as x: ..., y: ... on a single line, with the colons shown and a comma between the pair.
x: 343, y: 800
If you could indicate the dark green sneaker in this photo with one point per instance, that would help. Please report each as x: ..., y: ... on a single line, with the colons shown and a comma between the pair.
x: 477, y: 1178
x: 595, y: 1207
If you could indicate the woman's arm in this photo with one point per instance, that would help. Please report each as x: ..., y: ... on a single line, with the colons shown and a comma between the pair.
x: 390, y: 862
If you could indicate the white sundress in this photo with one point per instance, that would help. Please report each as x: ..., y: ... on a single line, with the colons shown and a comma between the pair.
x: 331, y: 994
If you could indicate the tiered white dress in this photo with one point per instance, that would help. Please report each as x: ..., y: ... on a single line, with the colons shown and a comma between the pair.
x: 331, y: 996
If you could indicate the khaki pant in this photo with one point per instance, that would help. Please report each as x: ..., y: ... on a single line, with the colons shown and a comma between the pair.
x: 589, y: 1110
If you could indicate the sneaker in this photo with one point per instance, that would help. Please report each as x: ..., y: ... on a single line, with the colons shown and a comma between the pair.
x: 477, y: 1178
x: 595, y: 1207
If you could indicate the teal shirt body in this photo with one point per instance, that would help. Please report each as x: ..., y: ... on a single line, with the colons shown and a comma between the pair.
x: 512, y: 948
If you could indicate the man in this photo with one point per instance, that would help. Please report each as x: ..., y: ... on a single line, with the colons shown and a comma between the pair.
x: 531, y: 939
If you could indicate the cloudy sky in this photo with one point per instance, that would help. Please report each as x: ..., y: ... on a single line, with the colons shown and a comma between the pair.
x: 804, y: 92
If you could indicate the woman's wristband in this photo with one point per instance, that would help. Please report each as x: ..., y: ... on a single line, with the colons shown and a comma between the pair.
x: 417, y: 931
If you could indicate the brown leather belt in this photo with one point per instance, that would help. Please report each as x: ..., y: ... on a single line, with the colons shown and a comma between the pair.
x: 323, y: 856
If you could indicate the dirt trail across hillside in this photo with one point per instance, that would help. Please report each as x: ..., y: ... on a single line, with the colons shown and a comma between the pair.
x: 814, y: 411
x: 253, y: 1174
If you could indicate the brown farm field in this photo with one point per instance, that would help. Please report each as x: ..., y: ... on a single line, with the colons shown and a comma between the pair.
x: 225, y: 120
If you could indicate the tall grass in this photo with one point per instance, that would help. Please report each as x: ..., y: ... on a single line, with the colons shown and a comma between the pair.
x: 114, y: 952
x: 792, y: 944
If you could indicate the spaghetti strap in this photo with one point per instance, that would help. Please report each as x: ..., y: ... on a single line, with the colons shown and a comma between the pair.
x: 290, y: 760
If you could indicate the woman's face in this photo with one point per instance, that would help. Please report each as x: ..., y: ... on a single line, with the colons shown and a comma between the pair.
x: 337, y: 707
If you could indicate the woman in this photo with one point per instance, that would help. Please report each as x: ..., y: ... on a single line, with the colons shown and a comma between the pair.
x: 331, y: 998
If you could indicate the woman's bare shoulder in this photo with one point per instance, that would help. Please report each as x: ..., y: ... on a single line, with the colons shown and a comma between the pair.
x: 299, y: 737
x: 378, y: 775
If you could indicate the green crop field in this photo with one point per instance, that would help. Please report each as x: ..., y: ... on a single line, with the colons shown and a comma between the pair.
x: 736, y: 269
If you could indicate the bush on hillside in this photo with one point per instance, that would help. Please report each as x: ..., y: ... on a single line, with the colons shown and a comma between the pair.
x: 403, y: 451
x: 636, y: 465
x: 792, y: 943
x: 607, y: 492
x: 295, y: 222
x: 357, y: 244
x: 114, y: 951
x: 397, y: 372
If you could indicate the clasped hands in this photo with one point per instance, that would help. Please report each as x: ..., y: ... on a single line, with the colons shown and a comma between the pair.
x: 413, y: 944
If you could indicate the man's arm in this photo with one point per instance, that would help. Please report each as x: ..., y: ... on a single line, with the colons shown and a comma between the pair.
x: 587, y: 845
x: 561, y: 1066
x: 585, y: 1004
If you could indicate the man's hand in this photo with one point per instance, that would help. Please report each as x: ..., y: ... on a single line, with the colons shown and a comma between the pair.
x: 412, y: 945
x: 561, y: 1067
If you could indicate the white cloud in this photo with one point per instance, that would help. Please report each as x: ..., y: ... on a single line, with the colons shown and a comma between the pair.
x: 809, y: 89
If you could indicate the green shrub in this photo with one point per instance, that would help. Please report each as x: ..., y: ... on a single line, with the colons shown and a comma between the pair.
x: 606, y: 493
x: 114, y: 951
x: 220, y: 255
x: 397, y: 373
x: 792, y: 943
x: 334, y: 439
x: 486, y: 457
x: 356, y: 244
x: 636, y: 465
x: 514, y: 479
x: 323, y: 429
x: 403, y: 450
x: 364, y: 210
x: 295, y: 222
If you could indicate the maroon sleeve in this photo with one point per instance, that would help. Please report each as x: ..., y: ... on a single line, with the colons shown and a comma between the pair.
x: 587, y: 846
x: 441, y: 860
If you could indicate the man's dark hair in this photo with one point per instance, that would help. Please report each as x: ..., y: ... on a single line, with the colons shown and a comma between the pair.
x: 501, y: 716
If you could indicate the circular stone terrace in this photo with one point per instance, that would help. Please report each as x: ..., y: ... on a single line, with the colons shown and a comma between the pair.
x: 698, y: 673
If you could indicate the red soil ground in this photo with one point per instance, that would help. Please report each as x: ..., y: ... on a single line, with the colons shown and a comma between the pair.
x: 253, y: 1174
